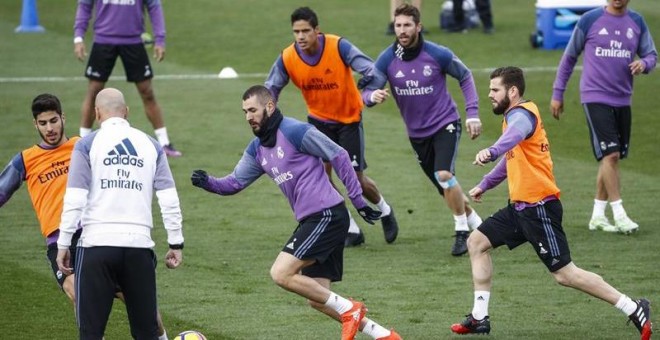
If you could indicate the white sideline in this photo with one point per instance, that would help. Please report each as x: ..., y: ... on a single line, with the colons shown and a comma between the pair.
x: 215, y: 76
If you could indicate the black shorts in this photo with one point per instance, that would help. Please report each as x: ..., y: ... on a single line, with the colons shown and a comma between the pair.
x: 539, y: 225
x: 609, y: 129
x: 134, y: 57
x: 348, y: 136
x: 321, y: 237
x: 51, y: 254
x: 438, y: 152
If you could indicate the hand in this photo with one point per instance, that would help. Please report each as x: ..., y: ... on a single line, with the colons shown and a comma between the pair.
x: 474, y: 127
x: 63, y: 261
x: 79, y: 51
x: 173, y: 258
x: 637, y: 67
x: 476, y: 193
x: 557, y: 108
x: 200, y: 179
x: 159, y: 53
x: 482, y: 157
x: 368, y: 214
x: 379, y: 96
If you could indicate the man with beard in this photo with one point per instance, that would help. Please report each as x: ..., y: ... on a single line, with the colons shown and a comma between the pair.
x: 292, y: 154
x: 534, y: 213
x: 417, y: 71
x: 45, y: 168
x: 321, y: 66
x: 610, y: 37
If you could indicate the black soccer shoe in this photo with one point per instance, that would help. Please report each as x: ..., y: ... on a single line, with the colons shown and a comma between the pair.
x: 354, y: 240
x: 390, y: 227
x: 642, y: 318
x: 472, y: 326
x: 460, y: 244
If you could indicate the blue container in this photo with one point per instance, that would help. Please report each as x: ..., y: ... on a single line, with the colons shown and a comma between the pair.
x: 556, y: 19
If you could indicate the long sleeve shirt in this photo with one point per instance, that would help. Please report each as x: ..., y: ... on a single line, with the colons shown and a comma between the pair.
x: 120, y: 22
x: 610, y: 43
x: 112, y: 176
x: 295, y: 164
x: 419, y: 88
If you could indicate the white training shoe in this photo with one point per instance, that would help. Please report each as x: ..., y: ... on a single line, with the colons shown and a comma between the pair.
x: 625, y: 225
x: 601, y: 223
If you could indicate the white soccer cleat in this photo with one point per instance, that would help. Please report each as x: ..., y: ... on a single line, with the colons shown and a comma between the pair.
x: 625, y: 225
x: 601, y: 223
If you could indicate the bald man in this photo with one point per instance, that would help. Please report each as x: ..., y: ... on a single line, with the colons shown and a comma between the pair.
x: 112, y: 176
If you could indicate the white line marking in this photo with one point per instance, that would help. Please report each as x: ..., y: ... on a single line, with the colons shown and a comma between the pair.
x: 215, y: 76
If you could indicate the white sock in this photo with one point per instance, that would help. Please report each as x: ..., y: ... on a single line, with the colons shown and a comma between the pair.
x: 164, y: 336
x: 480, y: 309
x: 599, y: 209
x: 384, y: 207
x: 85, y: 131
x: 338, y: 303
x: 626, y: 305
x: 375, y: 330
x: 161, y: 135
x: 352, y: 227
x: 617, y: 209
x: 473, y: 220
x: 461, y: 223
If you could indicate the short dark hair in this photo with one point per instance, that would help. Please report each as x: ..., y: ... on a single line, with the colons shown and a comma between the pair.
x: 45, y: 102
x: 511, y: 76
x: 263, y: 94
x: 408, y: 10
x: 305, y: 13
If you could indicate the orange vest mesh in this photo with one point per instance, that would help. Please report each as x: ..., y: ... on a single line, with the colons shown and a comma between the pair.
x: 46, y: 174
x: 328, y: 87
x: 529, y: 166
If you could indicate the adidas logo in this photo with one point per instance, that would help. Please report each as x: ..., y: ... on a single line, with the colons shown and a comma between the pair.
x: 554, y: 262
x: 263, y: 161
x: 451, y: 128
x: 480, y: 298
x: 328, y: 71
x: 291, y: 245
x: 603, y: 31
x: 399, y: 74
x: 123, y: 154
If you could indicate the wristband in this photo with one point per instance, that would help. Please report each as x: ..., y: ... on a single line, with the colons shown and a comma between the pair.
x: 176, y: 246
x: 77, y: 40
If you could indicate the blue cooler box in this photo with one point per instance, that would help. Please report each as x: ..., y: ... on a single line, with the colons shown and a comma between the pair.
x: 556, y: 19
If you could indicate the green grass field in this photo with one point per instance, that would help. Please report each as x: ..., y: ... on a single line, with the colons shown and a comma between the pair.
x: 224, y: 289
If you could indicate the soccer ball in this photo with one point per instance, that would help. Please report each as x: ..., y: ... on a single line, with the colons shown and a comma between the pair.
x: 190, y: 335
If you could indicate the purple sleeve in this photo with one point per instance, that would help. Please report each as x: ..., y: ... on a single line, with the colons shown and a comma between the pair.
x: 157, y: 21
x: 11, y: 178
x: 567, y: 63
x: 647, y: 52
x: 277, y: 78
x: 494, y: 177
x: 315, y: 143
x: 342, y: 165
x: 458, y: 70
x: 83, y: 14
x: 520, y: 124
x: 80, y: 169
x: 246, y: 171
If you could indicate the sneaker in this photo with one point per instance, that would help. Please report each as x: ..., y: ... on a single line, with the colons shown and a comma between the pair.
x: 642, y: 318
x: 601, y: 223
x: 393, y: 336
x: 350, y: 320
x: 390, y: 227
x: 390, y: 29
x: 460, y: 244
x: 472, y: 326
x: 489, y: 30
x: 354, y: 240
x: 626, y: 225
x: 170, y: 151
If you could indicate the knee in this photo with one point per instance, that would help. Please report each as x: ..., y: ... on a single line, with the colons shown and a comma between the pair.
x: 477, y: 243
x: 146, y: 92
x: 69, y: 290
x: 279, y: 277
x: 612, y: 158
x: 563, y: 280
x: 446, y: 179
